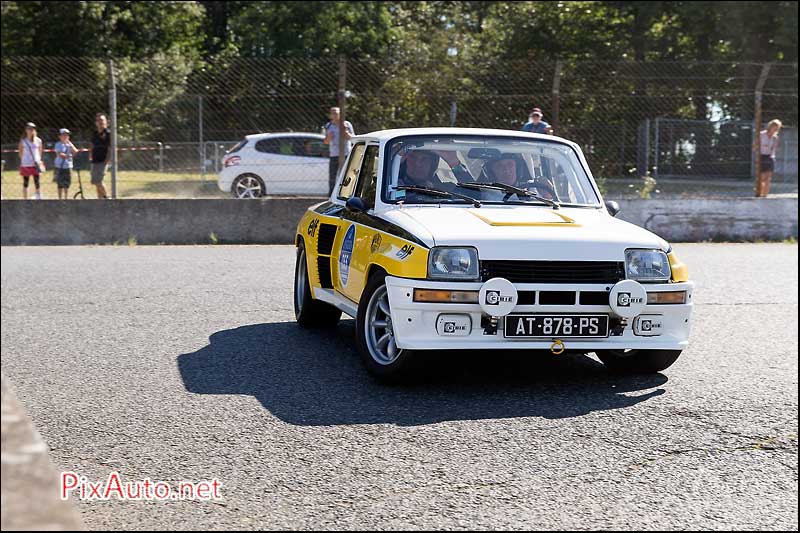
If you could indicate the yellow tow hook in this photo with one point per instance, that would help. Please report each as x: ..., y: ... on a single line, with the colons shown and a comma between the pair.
x: 558, y: 347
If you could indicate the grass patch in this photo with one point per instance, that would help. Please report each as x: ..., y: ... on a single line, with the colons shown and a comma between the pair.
x: 130, y: 184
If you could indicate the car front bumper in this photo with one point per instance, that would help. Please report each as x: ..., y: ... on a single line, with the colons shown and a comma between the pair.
x: 415, y: 323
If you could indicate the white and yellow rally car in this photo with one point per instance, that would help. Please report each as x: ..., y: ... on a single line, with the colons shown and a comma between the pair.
x: 449, y: 238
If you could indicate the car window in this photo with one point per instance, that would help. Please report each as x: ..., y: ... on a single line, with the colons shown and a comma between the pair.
x: 368, y: 177
x: 350, y: 179
x: 269, y: 146
x: 310, y: 147
x: 281, y: 145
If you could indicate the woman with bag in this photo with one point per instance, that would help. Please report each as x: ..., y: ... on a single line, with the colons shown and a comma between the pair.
x: 30, y: 160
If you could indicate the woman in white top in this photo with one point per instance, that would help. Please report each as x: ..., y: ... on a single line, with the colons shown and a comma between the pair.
x: 30, y: 160
x: 769, y: 145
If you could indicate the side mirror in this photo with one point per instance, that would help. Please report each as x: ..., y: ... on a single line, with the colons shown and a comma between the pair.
x: 613, y: 208
x: 355, y: 205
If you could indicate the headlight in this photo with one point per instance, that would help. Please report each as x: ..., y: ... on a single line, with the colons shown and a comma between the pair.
x: 453, y: 263
x: 647, y: 265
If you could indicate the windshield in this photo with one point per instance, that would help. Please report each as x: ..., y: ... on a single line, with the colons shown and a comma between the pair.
x: 486, y: 168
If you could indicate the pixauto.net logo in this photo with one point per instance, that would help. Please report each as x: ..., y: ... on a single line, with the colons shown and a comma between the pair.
x: 140, y: 489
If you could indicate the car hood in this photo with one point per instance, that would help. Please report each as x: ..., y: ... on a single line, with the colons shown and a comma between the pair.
x: 526, y: 232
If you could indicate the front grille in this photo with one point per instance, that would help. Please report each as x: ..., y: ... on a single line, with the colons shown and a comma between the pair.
x: 554, y: 271
x: 557, y: 298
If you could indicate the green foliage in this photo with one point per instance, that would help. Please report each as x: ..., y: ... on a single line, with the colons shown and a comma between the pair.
x: 407, y: 62
x: 676, y: 30
x: 311, y: 29
x: 96, y: 29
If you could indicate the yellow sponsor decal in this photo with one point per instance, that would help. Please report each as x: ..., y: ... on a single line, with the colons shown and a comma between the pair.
x: 564, y: 221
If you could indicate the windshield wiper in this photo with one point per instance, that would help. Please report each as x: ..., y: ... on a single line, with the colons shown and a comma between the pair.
x: 438, y: 192
x: 510, y: 190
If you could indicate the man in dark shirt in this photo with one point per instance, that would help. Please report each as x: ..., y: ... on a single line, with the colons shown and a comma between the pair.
x: 99, y: 150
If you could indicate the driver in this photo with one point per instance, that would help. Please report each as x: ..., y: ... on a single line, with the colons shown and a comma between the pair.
x: 419, y: 168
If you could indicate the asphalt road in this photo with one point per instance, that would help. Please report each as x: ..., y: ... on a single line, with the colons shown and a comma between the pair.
x: 178, y: 363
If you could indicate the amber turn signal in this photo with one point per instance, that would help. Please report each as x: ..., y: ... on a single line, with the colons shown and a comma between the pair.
x: 442, y: 296
x: 670, y: 297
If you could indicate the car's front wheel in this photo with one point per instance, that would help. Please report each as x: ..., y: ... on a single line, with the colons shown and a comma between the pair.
x: 248, y: 186
x: 375, y: 333
x: 638, y: 361
x: 310, y: 313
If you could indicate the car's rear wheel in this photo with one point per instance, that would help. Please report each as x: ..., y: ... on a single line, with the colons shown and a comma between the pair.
x: 248, y: 186
x: 310, y: 313
x: 638, y: 361
x: 375, y: 333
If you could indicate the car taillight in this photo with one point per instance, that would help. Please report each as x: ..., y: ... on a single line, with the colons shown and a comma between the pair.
x: 232, y: 161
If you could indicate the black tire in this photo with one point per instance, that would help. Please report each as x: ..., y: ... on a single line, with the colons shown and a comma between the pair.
x: 248, y: 181
x: 310, y: 313
x: 390, y: 371
x: 638, y: 361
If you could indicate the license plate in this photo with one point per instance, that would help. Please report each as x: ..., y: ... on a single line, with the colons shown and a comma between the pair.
x: 560, y: 326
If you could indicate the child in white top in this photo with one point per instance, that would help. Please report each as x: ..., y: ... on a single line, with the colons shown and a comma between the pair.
x: 30, y: 160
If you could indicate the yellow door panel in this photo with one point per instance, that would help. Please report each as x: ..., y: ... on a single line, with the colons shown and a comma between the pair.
x: 356, y: 248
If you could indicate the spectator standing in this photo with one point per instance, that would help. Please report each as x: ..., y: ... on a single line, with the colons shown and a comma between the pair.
x: 535, y: 123
x: 30, y: 160
x: 62, y: 174
x: 99, y: 153
x: 332, y: 140
x: 769, y: 145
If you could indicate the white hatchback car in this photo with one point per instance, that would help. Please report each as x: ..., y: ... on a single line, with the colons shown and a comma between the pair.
x: 276, y: 163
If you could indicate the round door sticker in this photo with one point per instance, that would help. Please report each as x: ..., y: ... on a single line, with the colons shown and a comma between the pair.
x: 346, y: 254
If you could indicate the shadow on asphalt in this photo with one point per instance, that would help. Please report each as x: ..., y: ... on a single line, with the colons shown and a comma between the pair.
x: 313, y: 378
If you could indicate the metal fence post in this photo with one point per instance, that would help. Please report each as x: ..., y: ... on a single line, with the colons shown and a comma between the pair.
x: 656, y: 154
x: 646, y: 145
x: 761, y: 187
x: 160, y: 156
x: 556, y: 100
x: 453, y: 113
x: 112, y: 102
x: 202, y: 147
x: 342, y: 102
x: 216, y: 157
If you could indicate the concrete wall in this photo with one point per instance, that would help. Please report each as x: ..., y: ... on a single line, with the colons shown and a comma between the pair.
x: 273, y: 221
x: 152, y: 221
x: 715, y: 219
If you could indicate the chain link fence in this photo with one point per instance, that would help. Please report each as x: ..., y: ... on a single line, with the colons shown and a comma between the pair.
x: 687, y: 125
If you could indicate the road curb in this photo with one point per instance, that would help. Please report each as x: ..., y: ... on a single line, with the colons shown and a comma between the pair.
x: 30, y: 488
